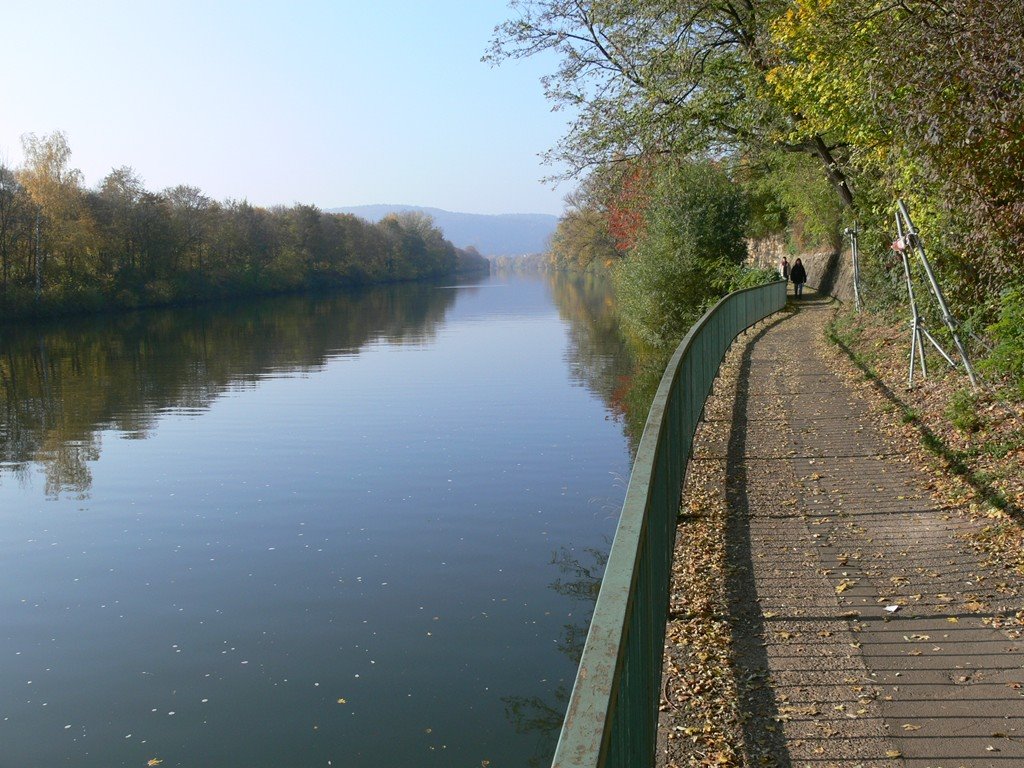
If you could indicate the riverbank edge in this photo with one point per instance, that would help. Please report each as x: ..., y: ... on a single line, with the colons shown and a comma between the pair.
x: 228, y: 297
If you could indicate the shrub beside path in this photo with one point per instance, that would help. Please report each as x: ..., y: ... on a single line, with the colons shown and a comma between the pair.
x: 828, y: 609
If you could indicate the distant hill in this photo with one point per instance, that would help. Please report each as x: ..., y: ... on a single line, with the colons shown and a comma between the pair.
x: 506, y: 234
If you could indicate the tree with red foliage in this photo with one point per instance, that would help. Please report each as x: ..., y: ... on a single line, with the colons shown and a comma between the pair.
x: 627, y: 211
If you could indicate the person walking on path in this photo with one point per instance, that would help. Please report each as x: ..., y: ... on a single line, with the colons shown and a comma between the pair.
x: 799, y: 276
x: 784, y: 268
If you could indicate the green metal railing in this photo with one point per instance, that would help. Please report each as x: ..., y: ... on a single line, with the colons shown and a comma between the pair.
x: 612, y: 717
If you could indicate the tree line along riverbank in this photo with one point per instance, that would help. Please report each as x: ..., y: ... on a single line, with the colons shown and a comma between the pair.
x: 65, y: 248
x: 696, y: 125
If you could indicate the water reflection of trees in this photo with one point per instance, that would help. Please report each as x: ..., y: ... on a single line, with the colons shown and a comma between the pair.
x: 541, y: 717
x: 602, y: 360
x: 598, y: 355
x: 60, y: 384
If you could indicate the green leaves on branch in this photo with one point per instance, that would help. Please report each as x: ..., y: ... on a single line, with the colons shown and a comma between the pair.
x: 929, y: 99
x: 645, y: 76
x: 1007, y: 357
x: 689, y: 255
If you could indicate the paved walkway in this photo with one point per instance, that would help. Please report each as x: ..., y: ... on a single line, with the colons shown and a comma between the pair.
x: 865, y: 628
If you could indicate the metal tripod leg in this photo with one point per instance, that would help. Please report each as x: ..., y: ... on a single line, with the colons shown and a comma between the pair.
x: 938, y: 348
x: 916, y: 349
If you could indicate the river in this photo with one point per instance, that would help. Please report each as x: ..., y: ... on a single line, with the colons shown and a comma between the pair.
x: 357, y: 530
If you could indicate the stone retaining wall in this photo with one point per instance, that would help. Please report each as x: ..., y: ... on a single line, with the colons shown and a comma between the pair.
x: 828, y: 271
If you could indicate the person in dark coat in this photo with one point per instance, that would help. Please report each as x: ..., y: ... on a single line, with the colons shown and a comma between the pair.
x: 799, y: 276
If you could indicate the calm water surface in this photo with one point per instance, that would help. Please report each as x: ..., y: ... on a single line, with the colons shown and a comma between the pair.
x: 351, y: 531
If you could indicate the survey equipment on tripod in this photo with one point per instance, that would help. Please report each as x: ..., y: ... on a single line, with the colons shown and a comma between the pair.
x: 852, y: 233
x: 909, y: 242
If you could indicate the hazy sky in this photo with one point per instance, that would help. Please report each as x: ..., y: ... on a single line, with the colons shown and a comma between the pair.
x: 331, y: 103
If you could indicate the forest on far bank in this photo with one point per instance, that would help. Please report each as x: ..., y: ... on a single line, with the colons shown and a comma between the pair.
x: 65, y: 248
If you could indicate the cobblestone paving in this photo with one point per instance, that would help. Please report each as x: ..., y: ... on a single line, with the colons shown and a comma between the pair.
x: 881, y: 636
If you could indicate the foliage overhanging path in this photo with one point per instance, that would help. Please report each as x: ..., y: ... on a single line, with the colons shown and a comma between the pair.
x: 860, y: 626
